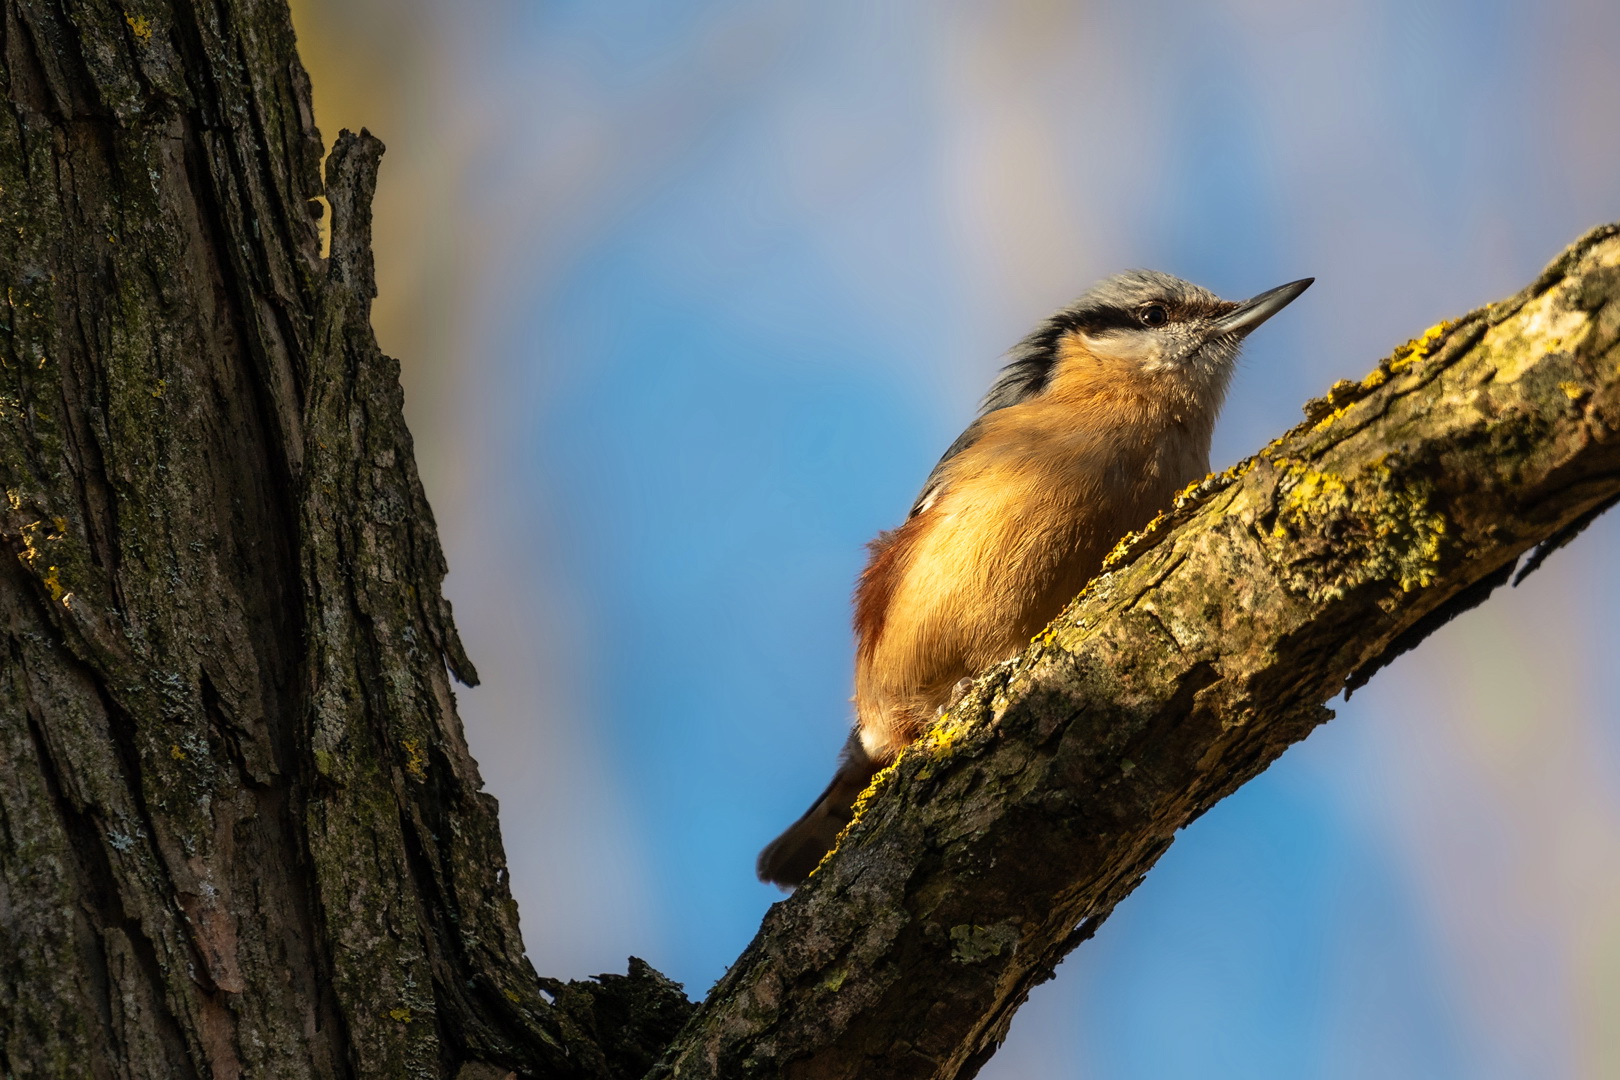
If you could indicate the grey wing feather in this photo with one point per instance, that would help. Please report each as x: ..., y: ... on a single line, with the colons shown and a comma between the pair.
x: 936, y: 479
x: 1020, y: 380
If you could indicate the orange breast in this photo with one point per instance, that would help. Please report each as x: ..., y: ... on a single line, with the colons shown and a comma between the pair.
x: 1026, y: 515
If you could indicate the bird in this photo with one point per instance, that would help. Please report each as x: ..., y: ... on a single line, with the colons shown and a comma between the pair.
x: 1100, y: 416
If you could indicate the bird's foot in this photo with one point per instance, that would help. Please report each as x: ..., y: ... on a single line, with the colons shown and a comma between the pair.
x: 962, y: 686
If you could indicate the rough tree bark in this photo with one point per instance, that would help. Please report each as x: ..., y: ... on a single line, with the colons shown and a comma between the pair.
x: 240, y: 832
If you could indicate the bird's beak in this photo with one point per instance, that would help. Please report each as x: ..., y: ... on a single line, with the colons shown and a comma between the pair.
x: 1256, y: 310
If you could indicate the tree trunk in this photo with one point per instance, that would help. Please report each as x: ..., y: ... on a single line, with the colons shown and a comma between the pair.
x: 240, y: 832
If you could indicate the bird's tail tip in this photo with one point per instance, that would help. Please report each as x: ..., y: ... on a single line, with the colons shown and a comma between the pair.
x: 789, y: 859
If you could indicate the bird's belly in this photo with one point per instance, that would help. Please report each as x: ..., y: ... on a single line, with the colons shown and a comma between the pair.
x: 986, y: 577
x: 1006, y: 551
x: 1011, y: 565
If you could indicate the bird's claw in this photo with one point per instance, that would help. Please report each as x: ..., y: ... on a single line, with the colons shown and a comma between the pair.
x: 963, y: 685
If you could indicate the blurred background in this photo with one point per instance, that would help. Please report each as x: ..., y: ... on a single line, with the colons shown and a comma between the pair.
x: 690, y: 296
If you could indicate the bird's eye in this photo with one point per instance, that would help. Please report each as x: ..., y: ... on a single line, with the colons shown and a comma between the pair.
x: 1154, y: 315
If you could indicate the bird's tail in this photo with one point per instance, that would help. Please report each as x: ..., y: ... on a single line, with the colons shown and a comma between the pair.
x: 788, y: 859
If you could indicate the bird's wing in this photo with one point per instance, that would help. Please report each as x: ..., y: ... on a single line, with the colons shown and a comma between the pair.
x: 934, y: 486
x: 1022, y: 379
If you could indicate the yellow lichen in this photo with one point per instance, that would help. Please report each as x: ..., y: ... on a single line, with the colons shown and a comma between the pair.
x: 1573, y: 391
x: 1406, y: 538
x: 1308, y: 492
x: 176, y: 753
x: 416, y: 760
x: 1335, y: 403
x: 1186, y: 494
x: 33, y: 556
x: 879, y: 779
x: 1122, y: 550
x: 1273, y: 446
x: 53, y: 582
x: 1330, y: 418
x: 140, y: 26
x: 1418, y: 348
x: 835, y: 980
x: 941, y: 737
x: 1241, y: 469
x: 400, y: 1013
x: 861, y: 802
x: 1403, y: 514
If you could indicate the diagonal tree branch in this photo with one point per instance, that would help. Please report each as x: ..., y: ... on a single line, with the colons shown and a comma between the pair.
x: 1008, y: 833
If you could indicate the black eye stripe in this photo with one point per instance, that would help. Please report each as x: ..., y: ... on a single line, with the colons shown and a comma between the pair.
x: 1100, y: 320
x: 1103, y: 319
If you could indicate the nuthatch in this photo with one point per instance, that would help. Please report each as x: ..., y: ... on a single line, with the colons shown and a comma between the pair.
x: 1103, y: 414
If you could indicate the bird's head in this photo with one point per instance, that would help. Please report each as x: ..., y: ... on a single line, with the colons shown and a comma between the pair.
x: 1143, y: 321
